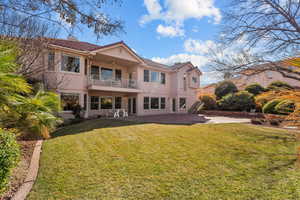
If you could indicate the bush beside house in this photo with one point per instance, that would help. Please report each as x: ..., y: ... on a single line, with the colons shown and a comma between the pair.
x: 9, y: 156
x: 224, y: 88
x: 209, y: 102
x: 240, y: 101
x: 255, y: 89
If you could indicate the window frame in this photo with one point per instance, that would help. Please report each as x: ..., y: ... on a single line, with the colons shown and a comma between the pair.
x: 62, y: 63
x: 48, y: 61
x: 91, y: 102
x: 116, y: 102
x: 148, y: 71
x: 164, y: 103
x: 112, y: 102
x: 151, y: 76
x: 68, y: 94
x: 162, y: 80
x: 151, y: 98
x: 180, y: 107
x: 195, y: 79
x: 146, y: 103
x: 120, y: 78
x: 108, y: 69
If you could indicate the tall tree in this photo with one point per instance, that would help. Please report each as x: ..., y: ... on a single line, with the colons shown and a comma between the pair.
x: 64, y: 13
x: 268, y: 31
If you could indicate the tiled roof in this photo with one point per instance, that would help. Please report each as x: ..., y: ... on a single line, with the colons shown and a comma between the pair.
x: 76, y: 45
x: 179, y: 65
x: 155, y: 64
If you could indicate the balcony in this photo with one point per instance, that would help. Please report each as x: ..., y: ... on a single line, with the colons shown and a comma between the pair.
x: 124, y: 85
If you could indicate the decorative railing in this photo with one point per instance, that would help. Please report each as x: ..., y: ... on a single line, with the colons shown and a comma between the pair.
x: 124, y: 83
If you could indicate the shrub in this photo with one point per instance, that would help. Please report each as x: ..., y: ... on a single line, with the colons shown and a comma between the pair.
x: 9, y: 155
x: 209, y: 102
x: 285, y: 107
x: 240, y: 101
x: 258, y: 121
x: 255, y: 89
x: 277, y: 85
x: 270, y: 106
x: 224, y: 88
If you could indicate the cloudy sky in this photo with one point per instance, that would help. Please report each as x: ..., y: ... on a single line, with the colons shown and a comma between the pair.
x: 167, y: 31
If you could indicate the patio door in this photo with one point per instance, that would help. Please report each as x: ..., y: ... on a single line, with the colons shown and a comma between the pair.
x: 131, y: 105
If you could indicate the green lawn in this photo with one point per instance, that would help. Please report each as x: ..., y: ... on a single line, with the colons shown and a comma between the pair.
x: 117, y: 160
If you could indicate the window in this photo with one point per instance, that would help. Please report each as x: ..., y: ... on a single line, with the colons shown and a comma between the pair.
x: 154, y: 103
x: 162, y: 78
x: 106, y: 102
x: 106, y: 74
x: 85, y: 101
x: 85, y: 66
x: 70, y: 64
x: 118, y: 102
x: 182, y: 103
x: 195, y: 80
x: 162, y: 103
x: 118, y: 74
x: 95, y: 72
x: 94, y: 103
x: 69, y: 100
x: 146, y: 103
x: 51, y: 60
x: 146, y: 76
x: 184, y: 83
x: 154, y: 77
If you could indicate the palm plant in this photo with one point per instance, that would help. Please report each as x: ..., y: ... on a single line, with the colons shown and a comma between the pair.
x: 18, y: 107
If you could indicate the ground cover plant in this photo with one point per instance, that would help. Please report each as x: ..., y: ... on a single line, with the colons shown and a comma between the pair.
x: 107, y: 159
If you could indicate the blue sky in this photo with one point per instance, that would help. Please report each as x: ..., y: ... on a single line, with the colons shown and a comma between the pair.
x: 166, y: 31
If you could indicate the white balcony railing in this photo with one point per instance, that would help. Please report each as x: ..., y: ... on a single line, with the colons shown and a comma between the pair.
x: 124, y: 83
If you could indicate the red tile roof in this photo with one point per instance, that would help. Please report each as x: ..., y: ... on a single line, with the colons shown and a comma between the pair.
x: 76, y: 45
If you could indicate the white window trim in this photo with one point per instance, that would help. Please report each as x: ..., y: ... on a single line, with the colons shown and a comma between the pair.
x: 68, y: 72
x: 68, y: 111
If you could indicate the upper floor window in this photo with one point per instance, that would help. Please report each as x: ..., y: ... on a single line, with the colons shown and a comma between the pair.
x: 85, y: 66
x: 184, y: 83
x: 146, y: 76
x: 95, y: 72
x: 51, y: 59
x: 70, y: 64
x: 162, y: 78
x: 154, y: 76
x: 195, y: 80
x: 106, y: 74
x: 118, y: 74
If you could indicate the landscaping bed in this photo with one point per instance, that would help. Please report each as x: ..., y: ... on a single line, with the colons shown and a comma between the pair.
x: 20, y: 172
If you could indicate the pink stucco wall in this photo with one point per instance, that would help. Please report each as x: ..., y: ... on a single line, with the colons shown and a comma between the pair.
x: 121, y: 59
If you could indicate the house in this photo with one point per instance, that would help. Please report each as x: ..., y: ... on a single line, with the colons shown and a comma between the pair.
x: 103, y: 79
x: 264, y: 78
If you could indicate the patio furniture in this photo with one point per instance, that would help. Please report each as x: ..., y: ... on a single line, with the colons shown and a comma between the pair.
x: 125, y: 113
x: 117, y: 113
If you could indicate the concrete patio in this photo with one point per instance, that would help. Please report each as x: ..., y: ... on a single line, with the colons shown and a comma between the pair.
x: 187, y: 119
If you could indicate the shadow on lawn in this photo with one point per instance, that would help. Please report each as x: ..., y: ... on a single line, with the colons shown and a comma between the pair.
x: 90, y: 125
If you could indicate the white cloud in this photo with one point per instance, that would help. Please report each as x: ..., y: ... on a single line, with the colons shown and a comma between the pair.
x: 197, y: 60
x: 210, y: 77
x: 175, y: 12
x: 198, y: 46
x: 169, y: 31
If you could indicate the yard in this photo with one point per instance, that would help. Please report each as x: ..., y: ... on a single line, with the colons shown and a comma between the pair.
x: 103, y: 159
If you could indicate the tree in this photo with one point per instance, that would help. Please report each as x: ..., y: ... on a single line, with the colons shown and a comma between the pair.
x: 64, y: 13
x: 279, y: 85
x: 224, y: 88
x: 255, y: 89
x: 268, y: 32
x: 19, y: 108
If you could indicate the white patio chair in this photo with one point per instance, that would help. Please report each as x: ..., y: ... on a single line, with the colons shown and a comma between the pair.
x: 117, y: 114
x: 125, y: 114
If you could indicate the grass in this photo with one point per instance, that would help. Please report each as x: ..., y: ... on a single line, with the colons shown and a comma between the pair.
x: 104, y: 159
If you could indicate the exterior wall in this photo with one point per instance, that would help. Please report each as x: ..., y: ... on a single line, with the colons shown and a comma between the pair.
x: 70, y: 82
